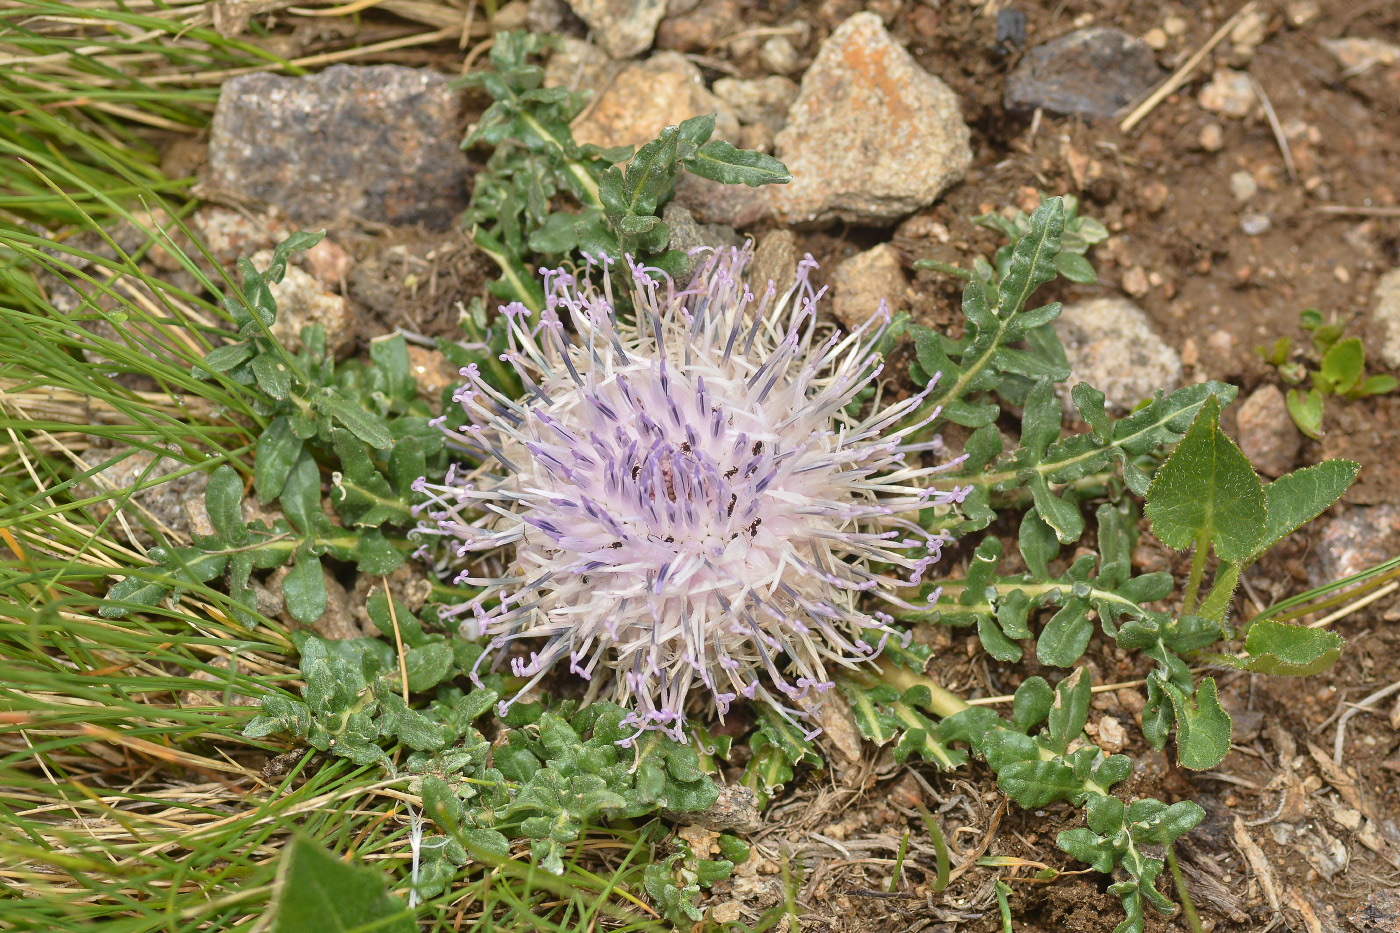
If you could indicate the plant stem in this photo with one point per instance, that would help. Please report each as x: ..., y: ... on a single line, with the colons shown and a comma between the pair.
x: 1188, y: 907
x: 1198, y: 568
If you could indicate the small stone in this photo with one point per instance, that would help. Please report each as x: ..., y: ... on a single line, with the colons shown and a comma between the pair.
x: 1135, y: 281
x: 701, y: 29
x: 756, y: 136
x: 1155, y: 39
x: 906, y: 792
x: 1174, y: 26
x: 512, y: 15
x: 778, y: 55
x: 872, y: 136
x: 377, y: 141
x: 1112, y: 346
x: 1248, y: 32
x: 775, y: 261
x: 548, y: 16
x: 579, y: 66
x: 1243, y: 186
x: 1386, y: 314
x: 622, y: 27
x: 1112, y: 736
x: 727, y: 913
x: 1358, y: 55
x: 711, y: 202
x: 1349, y: 543
x: 736, y: 810
x: 1302, y: 12
x: 432, y: 371
x: 647, y: 97
x: 1255, y: 224
x: 1154, y: 196
x: 1229, y: 94
x: 861, y: 283
x: 302, y: 300
x: 1212, y: 137
x: 337, y: 623
x: 763, y: 101
x: 1266, y: 432
x: 1095, y: 72
x: 687, y: 235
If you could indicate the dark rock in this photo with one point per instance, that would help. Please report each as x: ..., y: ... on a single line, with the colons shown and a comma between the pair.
x: 378, y: 142
x: 1095, y: 72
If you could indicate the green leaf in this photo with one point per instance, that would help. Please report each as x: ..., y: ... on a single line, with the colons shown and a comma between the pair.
x: 1202, y: 725
x: 134, y: 590
x: 1306, y: 411
x: 1378, y: 384
x: 1036, y: 783
x: 316, y: 892
x: 719, y: 161
x: 1033, y: 258
x: 1291, y: 650
x: 222, y: 359
x: 1344, y: 365
x: 1066, y: 636
x: 1207, y: 490
x: 364, y: 425
x: 428, y: 665
x: 276, y: 451
x: 223, y: 500
x: 1070, y: 711
x: 304, y: 588
x: 301, y: 493
x: 1076, y: 268
x: 273, y: 376
x: 1298, y: 497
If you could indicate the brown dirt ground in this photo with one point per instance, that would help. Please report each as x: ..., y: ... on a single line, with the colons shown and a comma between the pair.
x: 1214, y: 293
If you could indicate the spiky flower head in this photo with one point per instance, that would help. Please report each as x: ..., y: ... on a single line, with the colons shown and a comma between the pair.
x: 684, y: 497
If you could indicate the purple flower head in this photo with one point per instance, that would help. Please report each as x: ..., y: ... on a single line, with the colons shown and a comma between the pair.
x: 683, y: 503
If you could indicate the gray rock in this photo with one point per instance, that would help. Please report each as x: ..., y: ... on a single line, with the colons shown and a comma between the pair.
x: 622, y: 27
x: 872, y: 136
x: 765, y: 100
x: 174, y: 507
x: 774, y: 260
x: 1358, y: 538
x: 864, y: 280
x: 1229, y: 93
x: 380, y: 142
x: 778, y: 55
x: 1386, y: 315
x: 1112, y: 346
x: 710, y: 202
x: 687, y: 235
x: 1266, y: 432
x: 1094, y: 72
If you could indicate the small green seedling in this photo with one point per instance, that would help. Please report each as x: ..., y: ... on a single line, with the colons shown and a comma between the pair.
x: 1341, y: 371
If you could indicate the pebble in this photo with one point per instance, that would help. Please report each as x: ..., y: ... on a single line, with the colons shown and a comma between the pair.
x: 1249, y: 31
x: 1266, y: 432
x: 1112, y: 346
x: 1302, y: 12
x: 1135, y: 281
x: 1349, y: 543
x: 1358, y: 55
x: 1154, y: 196
x: 701, y: 29
x: 1243, y: 186
x: 1094, y: 72
x: 1155, y: 39
x: 622, y: 27
x: 736, y: 810
x: 1255, y: 224
x: 687, y: 235
x: 1174, y: 26
x: 1112, y: 736
x: 579, y: 66
x: 775, y: 261
x: 765, y: 100
x: 860, y: 283
x: 1229, y: 93
x: 303, y: 300
x: 377, y: 141
x: 872, y: 136
x: 1386, y: 314
x: 647, y: 96
x: 778, y: 55
x: 1212, y: 137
